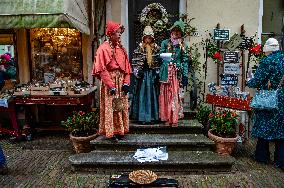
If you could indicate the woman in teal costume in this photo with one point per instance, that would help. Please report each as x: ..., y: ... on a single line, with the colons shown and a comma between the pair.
x: 173, y: 74
x: 144, y: 105
x: 269, y: 125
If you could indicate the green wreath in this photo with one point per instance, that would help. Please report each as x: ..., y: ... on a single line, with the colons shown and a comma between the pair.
x: 154, y: 15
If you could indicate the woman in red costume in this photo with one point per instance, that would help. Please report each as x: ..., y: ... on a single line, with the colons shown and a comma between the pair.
x: 112, y: 67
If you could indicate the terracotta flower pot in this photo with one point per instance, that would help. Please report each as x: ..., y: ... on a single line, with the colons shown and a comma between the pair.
x: 224, y: 146
x: 82, y: 144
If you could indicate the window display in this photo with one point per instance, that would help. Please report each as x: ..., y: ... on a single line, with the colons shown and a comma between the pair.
x: 56, y: 53
x: 7, y: 57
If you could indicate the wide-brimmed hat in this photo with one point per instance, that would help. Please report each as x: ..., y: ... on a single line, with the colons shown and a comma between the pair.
x: 271, y: 45
x: 112, y: 26
x: 148, y: 31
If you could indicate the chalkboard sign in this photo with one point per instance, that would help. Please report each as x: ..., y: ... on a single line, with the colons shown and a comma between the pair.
x: 221, y: 34
x: 229, y: 80
x: 231, y: 68
x: 234, y: 42
x: 231, y: 57
x: 246, y: 43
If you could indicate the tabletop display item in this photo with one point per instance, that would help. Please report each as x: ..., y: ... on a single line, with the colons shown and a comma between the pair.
x: 57, y: 91
x: 143, y: 177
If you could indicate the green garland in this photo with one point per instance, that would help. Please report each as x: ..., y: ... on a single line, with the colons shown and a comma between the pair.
x: 148, y: 18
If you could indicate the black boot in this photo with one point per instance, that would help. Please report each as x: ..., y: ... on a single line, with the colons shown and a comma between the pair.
x: 262, y: 154
x: 3, y: 169
x: 113, y: 139
x: 120, y: 137
x: 279, y: 154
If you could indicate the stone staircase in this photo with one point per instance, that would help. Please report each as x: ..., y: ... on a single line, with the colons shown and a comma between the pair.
x: 190, y: 152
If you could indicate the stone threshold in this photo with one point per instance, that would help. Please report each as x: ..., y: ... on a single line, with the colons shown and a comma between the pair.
x: 178, y: 161
x: 172, y: 141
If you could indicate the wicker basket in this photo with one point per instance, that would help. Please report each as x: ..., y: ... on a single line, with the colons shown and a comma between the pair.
x: 142, y: 177
x: 117, y: 104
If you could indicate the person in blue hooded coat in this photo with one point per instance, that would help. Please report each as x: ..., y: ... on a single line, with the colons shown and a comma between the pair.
x: 269, y: 125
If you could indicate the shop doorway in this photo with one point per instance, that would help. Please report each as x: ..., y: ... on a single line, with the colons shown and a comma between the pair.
x: 135, y: 8
x: 273, y: 20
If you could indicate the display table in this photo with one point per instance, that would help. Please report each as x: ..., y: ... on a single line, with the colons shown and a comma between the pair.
x: 84, y: 98
x: 46, y: 105
x: 122, y: 180
x: 229, y: 102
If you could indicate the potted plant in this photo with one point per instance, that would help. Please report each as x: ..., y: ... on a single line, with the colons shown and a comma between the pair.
x: 223, y: 130
x: 83, y: 128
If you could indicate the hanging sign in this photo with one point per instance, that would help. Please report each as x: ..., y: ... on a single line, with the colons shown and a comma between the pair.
x: 231, y: 57
x: 234, y: 42
x: 232, y: 68
x: 221, y: 34
x: 246, y: 43
x: 229, y: 80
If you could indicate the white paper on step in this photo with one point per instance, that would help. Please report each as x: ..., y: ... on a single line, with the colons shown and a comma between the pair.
x: 151, y: 154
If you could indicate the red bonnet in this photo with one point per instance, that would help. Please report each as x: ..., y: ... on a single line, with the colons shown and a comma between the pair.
x: 111, y: 27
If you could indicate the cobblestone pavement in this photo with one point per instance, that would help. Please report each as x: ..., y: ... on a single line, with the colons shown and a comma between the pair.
x: 43, y: 162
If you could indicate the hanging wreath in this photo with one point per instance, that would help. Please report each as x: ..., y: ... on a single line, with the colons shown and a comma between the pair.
x: 154, y: 15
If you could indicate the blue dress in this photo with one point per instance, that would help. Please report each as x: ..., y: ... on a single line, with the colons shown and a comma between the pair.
x: 145, y: 86
x: 269, y: 125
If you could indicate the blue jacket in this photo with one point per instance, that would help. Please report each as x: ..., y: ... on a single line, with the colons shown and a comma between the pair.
x: 269, y: 124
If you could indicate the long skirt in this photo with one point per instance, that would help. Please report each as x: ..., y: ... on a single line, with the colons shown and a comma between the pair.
x: 113, y: 122
x: 144, y: 104
x: 169, y: 100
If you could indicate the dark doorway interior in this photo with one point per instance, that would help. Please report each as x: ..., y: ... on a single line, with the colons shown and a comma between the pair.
x: 136, y: 29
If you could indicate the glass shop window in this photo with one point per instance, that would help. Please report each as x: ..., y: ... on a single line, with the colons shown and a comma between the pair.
x: 56, y: 53
x: 8, y: 65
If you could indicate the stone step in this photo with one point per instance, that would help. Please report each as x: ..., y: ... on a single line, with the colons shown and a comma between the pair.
x: 179, y: 162
x: 184, y: 126
x: 189, y: 114
x: 131, y: 142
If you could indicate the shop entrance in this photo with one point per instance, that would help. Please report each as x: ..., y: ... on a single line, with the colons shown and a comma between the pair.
x: 136, y: 28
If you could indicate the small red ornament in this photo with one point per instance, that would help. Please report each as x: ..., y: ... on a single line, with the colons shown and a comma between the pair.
x: 217, y: 56
x: 256, y: 49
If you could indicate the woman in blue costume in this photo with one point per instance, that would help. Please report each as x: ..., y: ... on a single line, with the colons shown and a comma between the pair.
x: 269, y: 125
x: 144, y: 105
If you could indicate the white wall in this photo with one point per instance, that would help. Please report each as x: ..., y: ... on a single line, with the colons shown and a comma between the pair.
x: 230, y: 14
x: 113, y: 10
